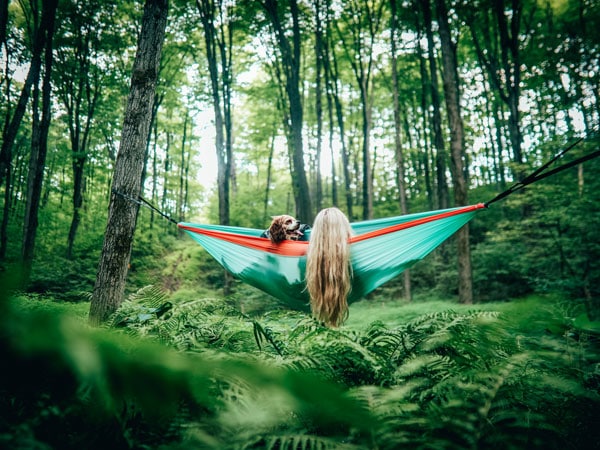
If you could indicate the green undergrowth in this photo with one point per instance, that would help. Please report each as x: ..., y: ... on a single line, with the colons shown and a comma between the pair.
x: 183, y: 372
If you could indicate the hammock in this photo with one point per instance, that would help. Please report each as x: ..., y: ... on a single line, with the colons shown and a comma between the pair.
x: 381, y: 249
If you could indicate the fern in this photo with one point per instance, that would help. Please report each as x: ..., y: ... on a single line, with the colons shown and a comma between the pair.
x: 305, y: 442
x: 443, y: 380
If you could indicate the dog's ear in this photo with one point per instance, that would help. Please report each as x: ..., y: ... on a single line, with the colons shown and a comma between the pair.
x: 277, y: 231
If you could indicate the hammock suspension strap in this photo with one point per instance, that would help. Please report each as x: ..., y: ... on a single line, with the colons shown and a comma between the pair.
x: 537, y: 175
x: 143, y: 202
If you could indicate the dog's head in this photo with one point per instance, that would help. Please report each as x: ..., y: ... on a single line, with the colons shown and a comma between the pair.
x: 284, y: 227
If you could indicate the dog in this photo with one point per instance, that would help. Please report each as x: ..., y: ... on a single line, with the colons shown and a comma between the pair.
x: 328, y: 267
x: 285, y: 227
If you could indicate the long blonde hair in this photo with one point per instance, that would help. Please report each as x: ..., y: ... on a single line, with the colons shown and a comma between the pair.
x: 328, y: 270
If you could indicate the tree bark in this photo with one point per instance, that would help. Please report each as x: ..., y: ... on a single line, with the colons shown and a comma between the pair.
x: 122, y: 214
x: 457, y: 153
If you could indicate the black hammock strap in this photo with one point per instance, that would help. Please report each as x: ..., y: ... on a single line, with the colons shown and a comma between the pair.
x: 143, y: 202
x: 539, y: 173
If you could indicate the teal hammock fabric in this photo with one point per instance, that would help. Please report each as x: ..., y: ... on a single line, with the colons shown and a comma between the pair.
x: 381, y: 249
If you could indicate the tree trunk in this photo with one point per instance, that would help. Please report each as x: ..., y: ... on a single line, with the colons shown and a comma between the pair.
x: 457, y: 154
x: 218, y: 50
x: 330, y: 66
x: 180, y: 196
x: 165, y: 191
x: 424, y: 156
x: 503, y: 67
x: 33, y: 75
x: 329, y: 97
x: 509, y: 44
x: 290, y: 57
x: 78, y: 187
x: 361, y: 59
x: 438, y: 138
x: 318, y: 100
x: 269, y: 174
x: 39, y: 142
x: 3, y: 21
x: 397, y: 139
x: 79, y: 92
x: 122, y: 214
x: 208, y: 13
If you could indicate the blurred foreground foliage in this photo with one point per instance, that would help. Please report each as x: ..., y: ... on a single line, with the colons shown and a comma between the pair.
x: 174, y: 373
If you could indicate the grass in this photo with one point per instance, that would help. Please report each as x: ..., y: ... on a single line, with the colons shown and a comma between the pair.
x: 525, y: 315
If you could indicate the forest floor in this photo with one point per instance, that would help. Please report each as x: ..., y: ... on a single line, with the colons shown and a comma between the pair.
x: 524, y: 355
x: 549, y: 312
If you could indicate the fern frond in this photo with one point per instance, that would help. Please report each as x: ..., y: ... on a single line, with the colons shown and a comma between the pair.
x: 305, y: 442
x: 151, y: 296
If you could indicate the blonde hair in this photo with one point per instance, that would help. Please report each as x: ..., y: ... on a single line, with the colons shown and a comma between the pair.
x: 328, y: 270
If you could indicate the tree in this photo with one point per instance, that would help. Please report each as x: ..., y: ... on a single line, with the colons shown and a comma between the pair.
x: 218, y: 46
x: 363, y: 21
x: 498, y: 50
x: 290, y: 58
x: 39, y: 140
x: 319, y: 53
x: 79, y: 85
x: 126, y: 184
x: 457, y: 153
x: 332, y: 81
x: 12, y: 124
x: 397, y: 127
x: 438, y: 138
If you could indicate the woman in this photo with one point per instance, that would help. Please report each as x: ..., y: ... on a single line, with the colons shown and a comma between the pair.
x: 328, y: 270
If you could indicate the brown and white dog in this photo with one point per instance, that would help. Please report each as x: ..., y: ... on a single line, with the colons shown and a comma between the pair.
x: 285, y: 227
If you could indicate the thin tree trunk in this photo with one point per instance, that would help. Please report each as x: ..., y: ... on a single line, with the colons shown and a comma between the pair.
x: 269, y: 173
x: 208, y: 13
x: 438, y: 138
x: 329, y: 98
x: 318, y: 100
x: 154, y: 196
x: 361, y: 60
x: 122, y: 214
x: 181, y: 206
x: 504, y: 68
x: 509, y: 43
x: 332, y: 70
x: 218, y: 50
x: 39, y: 141
x: 425, y: 155
x: 3, y: 20
x: 165, y: 191
x: 33, y: 76
x: 397, y: 139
